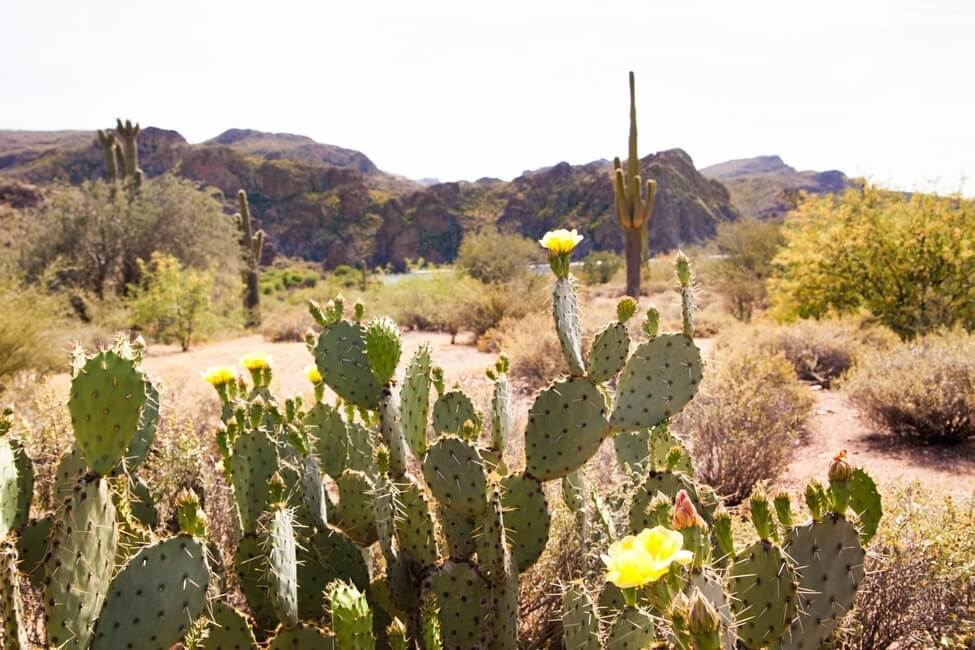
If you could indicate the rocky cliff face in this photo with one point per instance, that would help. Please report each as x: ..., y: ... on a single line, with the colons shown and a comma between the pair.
x: 332, y: 205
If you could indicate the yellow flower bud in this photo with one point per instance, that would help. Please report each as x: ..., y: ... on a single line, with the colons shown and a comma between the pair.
x: 219, y: 375
x: 256, y: 361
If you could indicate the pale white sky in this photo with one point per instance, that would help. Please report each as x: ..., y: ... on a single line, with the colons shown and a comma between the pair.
x: 455, y: 89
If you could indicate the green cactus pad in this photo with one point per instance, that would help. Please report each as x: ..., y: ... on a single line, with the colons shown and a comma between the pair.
x: 328, y: 430
x: 566, y: 425
x: 414, y: 524
x: 156, y: 597
x: 660, y: 377
x: 865, y: 502
x: 661, y: 443
x: 354, y: 512
x: 351, y: 618
x: 313, y: 497
x: 326, y: 556
x: 146, y: 431
x: 580, y: 621
x: 464, y: 600
x: 9, y: 488
x: 32, y: 544
x: 142, y: 504
x: 25, y: 484
x: 107, y: 396
x: 301, y: 637
x: 454, y: 472
x: 79, y: 567
x: 633, y: 629
x: 566, y: 314
x: 253, y: 462
x: 458, y: 529
x: 451, y: 410
x: 611, y: 601
x: 669, y: 483
x: 383, y: 348
x: 829, y: 561
x: 502, y: 414
x: 250, y: 565
x: 415, y: 401
x: 762, y: 586
x: 70, y: 469
x: 228, y: 629
x: 633, y: 451
x: 361, y: 444
x: 282, y: 563
x: 13, y: 627
x: 526, y: 518
x: 608, y: 354
x: 341, y: 359
x: 712, y: 588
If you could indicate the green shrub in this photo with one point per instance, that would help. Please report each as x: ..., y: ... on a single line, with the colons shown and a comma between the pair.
x: 30, y: 327
x: 491, y: 256
x: 286, y: 278
x: 745, y: 422
x: 746, y: 248
x: 533, y: 347
x: 599, y: 267
x: 922, y: 391
x: 172, y: 303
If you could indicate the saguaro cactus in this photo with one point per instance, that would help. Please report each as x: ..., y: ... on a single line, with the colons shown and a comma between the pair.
x: 633, y: 206
x: 121, y: 158
x: 251, y: 244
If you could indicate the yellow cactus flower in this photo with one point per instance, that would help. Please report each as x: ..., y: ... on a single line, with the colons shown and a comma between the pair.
x: 638, y: 560
x: 560, y: 242
x: 314, y: 376
x: 256, y: 361
x: 219, y: 375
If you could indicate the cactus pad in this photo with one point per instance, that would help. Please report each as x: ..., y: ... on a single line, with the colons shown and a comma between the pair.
x: 250, y: 565
x: 415, y: 401
x: 80, y: 564
x: 354, y: 511
x: 526, y: 518
x: 361, y: 445
x: 331, y: 437
x: 71, y: 468
x: 633, y: 628
x: 107, y: 396
x: 283, y: 566
x: 464, y: 598
x: 414, y: 525
x: 32, y: 547
x: 313, y: 495
x: 341, y: 359
x: 662, y: 441
x: 303, y: 636
x: 146, y: 431
x: 458, y: 529
x: 580, y: 621
x: 383, y: 348
x: 712, y: 588
x: 451, y: 410
x: 253, y: 462
x: 669, y: 483
x: 141, y: 502
x: 13, y: 628
x: 566, y: 425
x: 228, y: 628
x: 566, y: 314
x: 25, y: 484
x: 829, y: 560
x: 9, y: 490
x: 328, y: 555
x: 633, y: 451
x: 454, y: 472
x: 659, y: 379
x: 155, y: 597
x: 763, y: 594
x: 608, y: 354
x: 865, y: 502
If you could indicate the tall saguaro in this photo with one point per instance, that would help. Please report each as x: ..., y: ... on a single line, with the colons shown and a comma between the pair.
x: 633, y: 205
x: 121, y: 158
x: 251, y: 244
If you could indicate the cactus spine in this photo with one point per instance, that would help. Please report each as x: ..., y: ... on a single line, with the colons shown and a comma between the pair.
x: 633, y: 205
x: 251, y: 247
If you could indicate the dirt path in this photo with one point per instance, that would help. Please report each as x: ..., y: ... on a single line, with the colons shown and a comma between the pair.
x: 836, y: 424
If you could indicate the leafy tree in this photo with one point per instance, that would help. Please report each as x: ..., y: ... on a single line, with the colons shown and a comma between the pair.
x: 747, y: 247
x: 599, y: 267
x: 907, y: 260
x: 172, y: 302
x: 491, y: 256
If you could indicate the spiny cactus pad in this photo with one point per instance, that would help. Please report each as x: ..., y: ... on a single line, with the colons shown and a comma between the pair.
x: 414, y: 525
x: 566, y: 425
x: 107, y: 396
x: 228, y: 629
x: 383, y: 348
x: 25, y: 484
x: 463, y: 598
x: 580, y: 621
x: 361, y: 444
x: 327, y: 428
x: 351, y: 617
x: 341, y: 359
x: 326, y: 556
x: 155, y: 598
x: 608, y: 354
x: 763, y: 594
x: 712, y: 588
x: 80, y: 565
x: 13, y: 628
x: 253, y: 462
x: 71, y: 468
x: 662, y: 441
x: 633, y: 450
x: 829, y: 561
x: 633, y: 629
x: 526, y: 518
x: 566, y: 313
x: 454, y: 472
x: 314, y: 499
x: 659, y: 379
x: 283, y: 566
x: 865, y: 502
x: 451, y: 410
x: 8, y: 487
x: 669, y: 483
x: 458, y: 529
x: 32, y: 547
x: 354, y: 511
x: 146, y: 432
x: 415, y: 401
x: 250, y: 565
x: 141, y: 502
x: 303, y: 636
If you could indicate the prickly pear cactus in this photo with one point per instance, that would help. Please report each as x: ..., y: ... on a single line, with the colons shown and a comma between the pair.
x: 383, y: 348
x: 526, y: 518
x: 865, y: 502
x: 13, y: 631
x: 32, y: 547
x: 458, y: 530
x: 343, y: 361
x: 351, y: 617
x: 9, y: 488
x: 283, y: 566
x: 330, y: 435
x: 451, y: 411
x: 763, y: 590
x: 228, y: 628
x: 580, y: 620
x: 354, y: 511
x: 314, y: 498
x: 463, y: 598
x: 668, y: 483
x: 107, y: 396
x: 455, y: 474
x: 633, y: 628
x: 566, y: 314
x: 25, y: 485
x: 250, y: 565
x: 609, y: 351
x: 155, y: 597
x: 415, y: 528
x: 303, y: 636
x: 326, y: 556
x: 253, y: 462
x: 415, y: 401
x: 146, y: 432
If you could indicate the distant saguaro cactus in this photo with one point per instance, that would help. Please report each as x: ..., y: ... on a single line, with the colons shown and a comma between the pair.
x: 633, y: 207
x: 251, y: 244
x: 121, y: 158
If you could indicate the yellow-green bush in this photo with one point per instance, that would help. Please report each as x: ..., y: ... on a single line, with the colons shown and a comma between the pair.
x: 492, y: 256
x: 922, y: 391
x: 29, y: 331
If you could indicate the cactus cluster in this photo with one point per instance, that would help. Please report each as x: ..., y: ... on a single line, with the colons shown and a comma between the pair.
x: 398, y: 515
x: 121, y: 153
